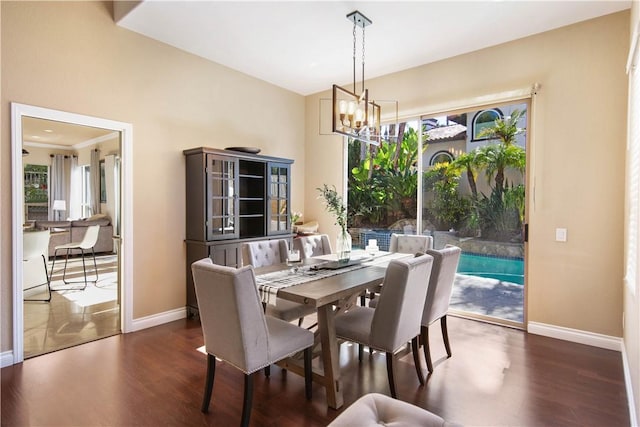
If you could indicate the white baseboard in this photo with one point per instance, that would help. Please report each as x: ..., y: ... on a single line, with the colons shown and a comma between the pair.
x: 158, y: 319
x: 575, y: 335
x: 628, y: 385
x: 6, y: 359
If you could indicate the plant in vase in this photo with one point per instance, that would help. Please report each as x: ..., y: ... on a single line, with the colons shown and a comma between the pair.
x: 295, y: 217
x: 335, y: 205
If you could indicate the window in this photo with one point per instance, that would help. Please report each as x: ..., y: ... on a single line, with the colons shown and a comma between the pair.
x: 482, y: 120
x: 36, y: 192
x: 441, y: 157
x: 86, y: 192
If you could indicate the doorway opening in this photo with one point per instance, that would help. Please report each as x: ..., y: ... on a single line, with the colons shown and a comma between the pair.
x: 91, y: 294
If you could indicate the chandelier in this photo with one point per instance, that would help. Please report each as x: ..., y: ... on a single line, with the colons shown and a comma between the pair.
x: 354, y: 115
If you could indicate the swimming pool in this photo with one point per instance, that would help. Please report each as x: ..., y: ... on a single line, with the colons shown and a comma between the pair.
x: 503, y: 269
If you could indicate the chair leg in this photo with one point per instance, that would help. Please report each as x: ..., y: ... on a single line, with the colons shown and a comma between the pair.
x: 44, y: 261
x: 424, y: 334
x: 84, y: 269
x: 267, y: 371
x: 416, y: 359
x: 208, y: 385
x: 360, y: 352
x: 300, y: 321
x: 445, y: 334
x: 47, y: 283
x: 248, y: 398
x: 392, y: 383
x: 307, y: 372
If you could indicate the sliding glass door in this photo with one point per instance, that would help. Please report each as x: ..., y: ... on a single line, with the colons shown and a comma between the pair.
x: 459, y: 177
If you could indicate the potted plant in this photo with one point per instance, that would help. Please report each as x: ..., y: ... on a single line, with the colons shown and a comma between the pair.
x: 335, y: 205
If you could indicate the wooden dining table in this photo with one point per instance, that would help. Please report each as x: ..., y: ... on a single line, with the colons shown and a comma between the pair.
x: 329, y: 295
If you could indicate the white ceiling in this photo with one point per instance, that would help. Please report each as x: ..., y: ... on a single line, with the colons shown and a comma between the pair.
x: 306, y: 46
x: 52, y: 134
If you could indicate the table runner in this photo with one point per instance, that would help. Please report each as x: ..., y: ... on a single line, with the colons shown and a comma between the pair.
x: 270, y: 283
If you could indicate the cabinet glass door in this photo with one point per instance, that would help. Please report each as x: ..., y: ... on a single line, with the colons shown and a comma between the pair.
x: 278, y: 197
x: 222, y: 198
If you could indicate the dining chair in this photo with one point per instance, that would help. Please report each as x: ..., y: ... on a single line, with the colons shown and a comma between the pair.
x: 35, y: 245
x: 237, y: 331
x: 310, y: 246
x: 88, y: 242
x: 410, y: 243
x: 405, y: 244
x: 268, y: 252
x: 396, y: 319
x: 443, y: 274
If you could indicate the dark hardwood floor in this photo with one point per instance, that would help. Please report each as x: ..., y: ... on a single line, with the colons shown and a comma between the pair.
x: 497, y: 376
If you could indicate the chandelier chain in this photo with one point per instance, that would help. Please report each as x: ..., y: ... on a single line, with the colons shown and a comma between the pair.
x: 354, y: 56
x: 363, y: 58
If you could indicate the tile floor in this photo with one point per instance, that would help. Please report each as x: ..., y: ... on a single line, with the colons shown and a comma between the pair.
x: 73, y: 317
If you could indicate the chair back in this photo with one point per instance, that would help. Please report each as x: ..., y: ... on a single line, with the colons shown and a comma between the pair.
x: 396, y: 319
x: 310, y: 246
x: 90, y: 237
x: 443, y: 275
x: 35, y: 244
x: 410, y: 243
x: 264, y: 252
x: 233, y: 322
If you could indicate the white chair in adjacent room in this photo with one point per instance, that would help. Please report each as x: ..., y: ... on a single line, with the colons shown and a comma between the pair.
x: 268, y: 252
x: 237, y: 331
x: 396, y: 319
x: 34, y: 249
x: 88, y: 242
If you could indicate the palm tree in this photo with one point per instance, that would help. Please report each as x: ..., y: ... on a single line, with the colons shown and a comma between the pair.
x: 468, y: 162
x: 497, y: 157
x: 505, y: 129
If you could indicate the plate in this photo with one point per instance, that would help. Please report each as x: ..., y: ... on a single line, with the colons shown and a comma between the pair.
x: 251, y: 150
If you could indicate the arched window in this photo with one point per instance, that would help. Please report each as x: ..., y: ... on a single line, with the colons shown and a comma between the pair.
x: 441, y: 157
x: 482, y: 120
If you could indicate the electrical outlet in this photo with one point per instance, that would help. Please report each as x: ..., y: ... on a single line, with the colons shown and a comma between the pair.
x: 561, y: 234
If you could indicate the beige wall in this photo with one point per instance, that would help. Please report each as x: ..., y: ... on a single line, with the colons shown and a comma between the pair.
x: 71, y: 56
x: 576, y: 166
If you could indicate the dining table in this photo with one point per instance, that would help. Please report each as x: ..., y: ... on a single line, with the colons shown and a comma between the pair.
x: 330, y: 288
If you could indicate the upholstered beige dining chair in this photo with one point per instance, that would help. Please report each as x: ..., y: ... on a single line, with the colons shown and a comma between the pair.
x: 396, y: 319
x: 237, y: 331
x: 268, y: 252
x: 310, y: 246
x: 443, y: 275
x: 410, y: 243
x: 34, y: 249
x: 404, y: 244
x: 88, y: 242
